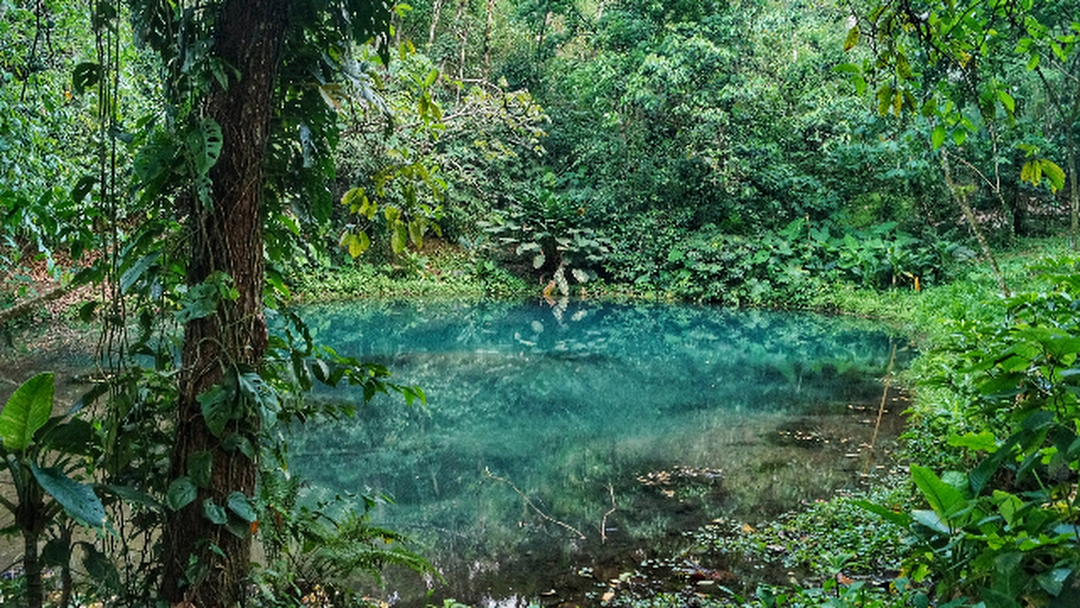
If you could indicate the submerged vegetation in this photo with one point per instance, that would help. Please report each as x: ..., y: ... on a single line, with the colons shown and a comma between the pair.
x: 183, y: 174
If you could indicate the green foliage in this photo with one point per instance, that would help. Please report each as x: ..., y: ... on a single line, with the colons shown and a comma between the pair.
x: 316, y: 544
x: 1002, y: 528
x: 39, y: 455
x: 791, y: 266
x: 546, y: 234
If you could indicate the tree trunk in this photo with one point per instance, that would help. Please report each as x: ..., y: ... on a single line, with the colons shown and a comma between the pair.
x: 487, y: 37
x: 435, y: 10
x: 225, y: 237
x: 35, y: 594
x: 960, y: 194
x: 1074, y: 198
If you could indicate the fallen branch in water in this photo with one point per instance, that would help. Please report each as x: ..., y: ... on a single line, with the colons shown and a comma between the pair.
x: 881, y: 410
x: 534, y: 507
x: 603, y: 522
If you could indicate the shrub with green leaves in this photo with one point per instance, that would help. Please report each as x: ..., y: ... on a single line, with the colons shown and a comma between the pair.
x: 1007, y: 530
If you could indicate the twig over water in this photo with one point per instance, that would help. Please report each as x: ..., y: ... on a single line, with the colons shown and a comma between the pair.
x: 534, y: 507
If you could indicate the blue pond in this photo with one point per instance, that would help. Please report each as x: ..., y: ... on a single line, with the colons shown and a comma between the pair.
x: 562, y: 440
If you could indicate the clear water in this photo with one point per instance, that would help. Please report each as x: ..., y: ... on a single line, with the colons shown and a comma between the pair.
x: 545, y: 423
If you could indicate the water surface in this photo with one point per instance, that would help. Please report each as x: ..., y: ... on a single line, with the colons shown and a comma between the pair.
x: 586, y: 435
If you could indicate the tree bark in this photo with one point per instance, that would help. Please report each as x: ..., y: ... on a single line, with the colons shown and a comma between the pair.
x: 1074, y: 199
x: 435, y: 10
x: 487, y: 37
x: 225, y: 237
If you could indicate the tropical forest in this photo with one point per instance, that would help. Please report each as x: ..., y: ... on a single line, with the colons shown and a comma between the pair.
x: 552, y: 303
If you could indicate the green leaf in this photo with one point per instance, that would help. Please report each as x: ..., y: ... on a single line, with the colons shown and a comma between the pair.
x: 56, y: 553
x: 538, y: 260
x: 205, y: 146
x: 215, y: 513
x: 27, y: 410
x: 199, y: 467
x: 237, y: 442
x: 218, y: 408
x: 1054, y: 581
x: 981, y: 475
x: 181, y: 493
x: 432, y: 75
x: 1059, y: 52
x: 84, y: 76
x: 416, y: 233
x: 938, y: 136
x: 900, y: 519
x: 1007, y: 101
x: 399, y: 238
x: 240, y: 504
x: 137, y: 270
x: 985, y: 441
x: 944, y: 499
x: 931, y: 520
x: 903, y: 67
x: 76, y: 436
x: 959, y: 136
x: 78, y: 499
x: 82, y: 188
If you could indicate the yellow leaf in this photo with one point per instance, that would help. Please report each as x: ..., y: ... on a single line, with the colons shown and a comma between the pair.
x: 852, y: 38
x: 399, y: 238
x: 1054, y: 173
x: 416, y: 233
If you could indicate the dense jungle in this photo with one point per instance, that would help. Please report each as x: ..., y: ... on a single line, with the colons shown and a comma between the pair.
x: 780, y: 296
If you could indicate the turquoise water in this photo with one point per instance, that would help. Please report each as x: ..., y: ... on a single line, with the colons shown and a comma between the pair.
x: 560, y: 437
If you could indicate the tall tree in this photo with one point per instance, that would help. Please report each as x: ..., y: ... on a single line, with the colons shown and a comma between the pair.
x: 231, y: 75
x: 226, y: 236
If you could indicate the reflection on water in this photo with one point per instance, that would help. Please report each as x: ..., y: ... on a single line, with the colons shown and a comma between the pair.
x: 587, y: 433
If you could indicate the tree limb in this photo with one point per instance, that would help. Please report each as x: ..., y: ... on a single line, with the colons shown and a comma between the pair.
x: 24, y: 307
